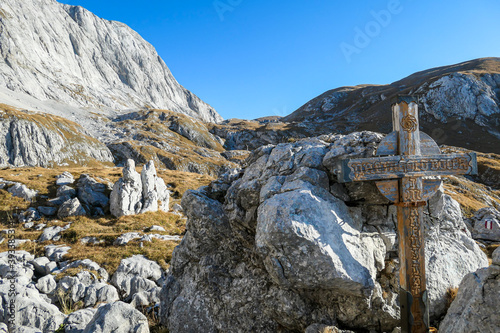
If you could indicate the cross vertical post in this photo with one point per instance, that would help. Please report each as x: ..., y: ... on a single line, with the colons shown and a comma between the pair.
x: 405, y: 170
x: 413, y: 294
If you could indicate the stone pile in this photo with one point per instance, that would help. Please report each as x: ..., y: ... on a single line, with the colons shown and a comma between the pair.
x: 103, y: 303
x: 284, y: 246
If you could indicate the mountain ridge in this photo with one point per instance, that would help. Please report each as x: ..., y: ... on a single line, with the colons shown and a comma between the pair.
x: 94, y: 63
x: 456, y: 103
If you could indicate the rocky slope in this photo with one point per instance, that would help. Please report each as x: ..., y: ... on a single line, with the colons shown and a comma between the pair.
x: 64, y: 53
x: 303, y: 250
x: 35, y: 139
x: 173, y: 140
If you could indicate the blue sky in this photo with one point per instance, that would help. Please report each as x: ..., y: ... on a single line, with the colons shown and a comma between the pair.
x: 254, y: 58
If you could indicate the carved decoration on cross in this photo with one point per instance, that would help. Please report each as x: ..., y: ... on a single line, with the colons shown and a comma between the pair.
x: 406, y: 170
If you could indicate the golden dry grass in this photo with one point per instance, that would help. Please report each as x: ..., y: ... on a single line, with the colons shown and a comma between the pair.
x: 106, y: 228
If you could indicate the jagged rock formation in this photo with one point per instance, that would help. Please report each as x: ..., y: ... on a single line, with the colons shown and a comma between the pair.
x: 64, y: 53
x: 475, y: 309
x: 174, y: 141
x: 34, y: 139
x: 134, y: 193
x: 300, y: 249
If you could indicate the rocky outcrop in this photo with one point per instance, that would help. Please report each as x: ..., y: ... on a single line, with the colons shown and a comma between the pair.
x: 134, y: 193
x: 302, y: 250
x: 93, y: 63
x: 475, y: 308
x: 52, y: 141
x: 486, y: 224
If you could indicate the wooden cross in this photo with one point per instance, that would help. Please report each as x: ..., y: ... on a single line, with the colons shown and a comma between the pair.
x: 405, y: 171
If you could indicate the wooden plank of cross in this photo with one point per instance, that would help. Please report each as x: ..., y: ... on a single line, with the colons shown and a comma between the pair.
x: 406, y: 169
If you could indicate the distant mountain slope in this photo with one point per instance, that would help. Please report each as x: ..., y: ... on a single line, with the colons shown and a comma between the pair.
x: 64, y: 53
x: 459, y: 105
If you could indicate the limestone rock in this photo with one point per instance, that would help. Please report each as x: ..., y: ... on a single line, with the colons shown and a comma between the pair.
x: 94, y: 62
x: 32, y: 310
x: 66, y: 178
x: 51, y: 234
x: 46, y: 284
x: 78, y: 320
x: 136, y: 274
x: 127, y: 237
x: 91, y: 193
x: 39, y: 265
x: 47, y: 211
x: 71, y: 207
x: 30, y: 215
x: 450, y: 251
x: 149, y: 193
x: 22, y: 191
x: 126, y: 196
x: 486, y: 223
x: 56, y: 252
x: 302, y: 249
x: 65, y: 190
x: 117, y: 317
x: 53, y: 140
x: 135, y: 194
x: 475, y: 308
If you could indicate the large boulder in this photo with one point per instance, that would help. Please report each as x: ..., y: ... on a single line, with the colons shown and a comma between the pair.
x: 283, y: 246
x: 475, y: 308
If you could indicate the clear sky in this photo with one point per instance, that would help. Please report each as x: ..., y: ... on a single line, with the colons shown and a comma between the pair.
x: 254, y: 58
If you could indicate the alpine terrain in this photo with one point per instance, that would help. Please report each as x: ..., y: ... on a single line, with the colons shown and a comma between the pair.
x: 127, y: 204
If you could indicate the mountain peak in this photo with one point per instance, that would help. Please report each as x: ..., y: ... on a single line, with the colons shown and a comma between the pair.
x: 53, y: 51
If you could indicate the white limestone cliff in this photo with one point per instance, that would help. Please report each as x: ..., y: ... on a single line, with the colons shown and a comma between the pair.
x: 62, y: 53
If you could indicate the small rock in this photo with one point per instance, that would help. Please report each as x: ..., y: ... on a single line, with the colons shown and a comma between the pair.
x: 22, y: 191
x: 127, y: 237
x: 51, y: 234
x: 30, y: 215
x: 39, y: 226
x: 91, y: 192
x: 47, y: 211
x: 65, y: 178
x: 28, y: 225
x: 91, y: 241
x: 71, y: 207
x: 154, y: 228
x: 46, y: 284
x: 50, y: 267
x: 39, y: 264
x: 66, y: 190
x: 176, y: 207
x: 117, y: 317
x: 78, y: 320
x: 56, y: 252
x: 58, y: 201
